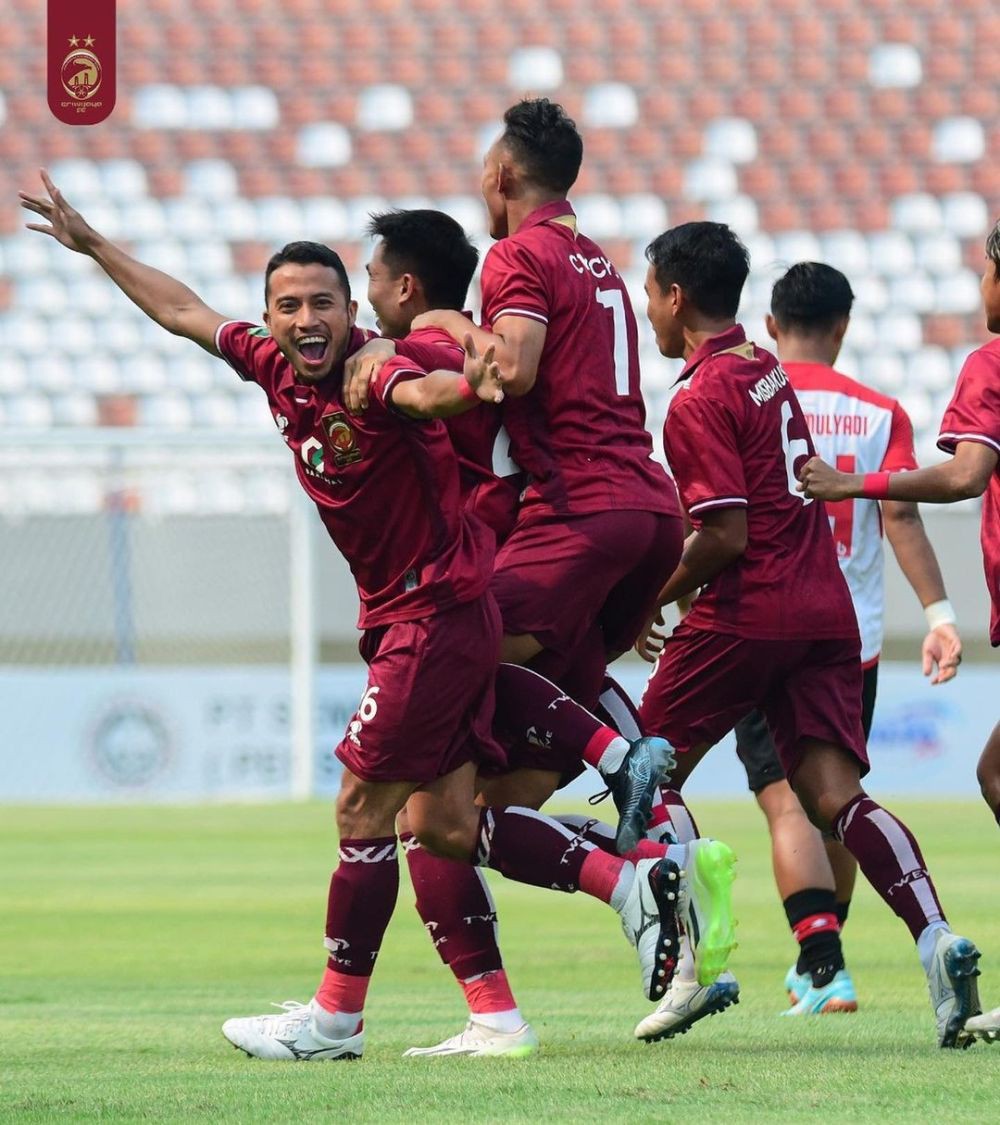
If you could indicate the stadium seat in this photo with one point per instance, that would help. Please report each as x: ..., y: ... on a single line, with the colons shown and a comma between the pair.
x: 918, y: 212
x: 891, y: 253
x: 958, y: 293
x: 731, y: 138
x: 959, y: 140
x: 930, y: 367
x: 708, y: 178
x: 610, y: 105
x: 913, y: 292
x: 384, y: 106
x: 895, y: 64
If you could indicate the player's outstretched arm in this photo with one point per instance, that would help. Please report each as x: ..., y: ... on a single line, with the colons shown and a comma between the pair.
x: 963, y: 476
x: 941, y: 652
x: 440, y: 394
x: 162, y: 298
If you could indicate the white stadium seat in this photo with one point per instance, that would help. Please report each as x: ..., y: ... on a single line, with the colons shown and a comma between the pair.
x: 917, y: 212
x: 958, y: 140
x: 323, y: 144
x: 212, y: 179
x: 708, y: 178
x: 894, y: 65
x: 610, y: 105
x: 534, y: 68
x: 384, y: 107
x: 731, y: 138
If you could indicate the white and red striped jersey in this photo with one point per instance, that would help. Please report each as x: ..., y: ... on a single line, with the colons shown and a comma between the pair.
x: 857, y: 430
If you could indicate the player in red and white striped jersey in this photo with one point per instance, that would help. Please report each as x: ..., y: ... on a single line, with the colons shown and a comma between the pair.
x: 970, y: 431
x: 851, y: 425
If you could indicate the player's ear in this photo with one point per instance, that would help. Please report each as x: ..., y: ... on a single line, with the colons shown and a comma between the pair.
x: 266, y: 318
x: 352, y: 313
x: 408, y: 286
x: 840, y: 330
x: 772, y: 326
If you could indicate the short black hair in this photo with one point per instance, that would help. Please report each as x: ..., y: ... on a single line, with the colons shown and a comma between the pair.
x: 993, y: 247
x: 305, y: 254
x: 706, y: 260
x: 544, y: 140
x: 811, y: 298
x: 432, y: 246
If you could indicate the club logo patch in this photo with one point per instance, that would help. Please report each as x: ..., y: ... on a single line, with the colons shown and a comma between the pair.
x: 81, y: 57
x: 341, y: 439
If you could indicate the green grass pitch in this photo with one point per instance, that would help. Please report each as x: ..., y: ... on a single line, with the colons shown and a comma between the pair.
x: 128, y: 935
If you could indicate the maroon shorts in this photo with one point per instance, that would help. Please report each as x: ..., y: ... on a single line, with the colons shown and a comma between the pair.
x: 584, y: 587
x: 705, y: 682
x: 428, y: 706
x: 555, y: 577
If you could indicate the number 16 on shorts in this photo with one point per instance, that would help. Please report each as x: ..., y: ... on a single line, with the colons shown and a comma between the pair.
x: 367, y: 710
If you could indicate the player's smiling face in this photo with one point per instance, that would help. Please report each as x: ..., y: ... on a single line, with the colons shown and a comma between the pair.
x: 660, y: 311
x: 309, y: 317
x: 385, y: 295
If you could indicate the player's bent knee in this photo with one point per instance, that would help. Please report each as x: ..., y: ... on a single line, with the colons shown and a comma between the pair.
x: 456, y: 840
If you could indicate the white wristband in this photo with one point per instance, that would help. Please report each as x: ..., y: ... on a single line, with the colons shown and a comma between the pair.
x: 939, y: 613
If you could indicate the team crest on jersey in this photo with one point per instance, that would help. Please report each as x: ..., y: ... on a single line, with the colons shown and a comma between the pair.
x: 341, y: 439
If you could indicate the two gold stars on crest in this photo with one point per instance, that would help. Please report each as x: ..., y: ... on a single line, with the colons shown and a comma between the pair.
x: 75, y: 42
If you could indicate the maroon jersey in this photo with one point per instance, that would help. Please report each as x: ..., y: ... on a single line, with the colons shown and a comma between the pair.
x: 491, y: 480
x: 735, y: 435
x: 974, y: 415
x: 581, y: 431
x: 386, y: 486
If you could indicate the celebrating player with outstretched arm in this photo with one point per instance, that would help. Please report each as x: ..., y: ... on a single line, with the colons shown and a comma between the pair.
x: 970, y: 431
x: 774, y: 626
x: 431, y: 629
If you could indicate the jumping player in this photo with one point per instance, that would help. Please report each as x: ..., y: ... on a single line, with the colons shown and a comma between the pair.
x: 970, y: 431
x: 774, y: 626
x: 423, y: 260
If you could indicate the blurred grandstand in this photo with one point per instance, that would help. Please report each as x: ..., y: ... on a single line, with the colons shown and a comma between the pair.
x: 864, y: 134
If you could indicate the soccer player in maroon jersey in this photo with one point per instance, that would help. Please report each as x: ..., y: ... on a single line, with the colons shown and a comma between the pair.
x: 970, y: 431
x: 599, y: 526
x: 431, y: 628
x: 421, y: 261
x: 773, y: 626
x: 851, y: 424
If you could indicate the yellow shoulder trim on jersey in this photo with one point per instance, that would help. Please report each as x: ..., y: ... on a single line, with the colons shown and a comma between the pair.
x: 744, y: 351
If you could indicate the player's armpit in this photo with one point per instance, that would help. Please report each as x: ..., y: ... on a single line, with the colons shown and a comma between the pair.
x: 519, y: 343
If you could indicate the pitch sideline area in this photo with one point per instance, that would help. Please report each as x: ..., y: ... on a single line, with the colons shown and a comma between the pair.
x: 128, y: 935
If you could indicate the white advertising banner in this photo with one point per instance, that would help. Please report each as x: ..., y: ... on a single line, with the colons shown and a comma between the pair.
x: 184, y: 734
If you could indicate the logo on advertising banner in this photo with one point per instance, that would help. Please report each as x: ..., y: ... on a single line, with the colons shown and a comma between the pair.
x: 81, y: 60
x: 130, y: 744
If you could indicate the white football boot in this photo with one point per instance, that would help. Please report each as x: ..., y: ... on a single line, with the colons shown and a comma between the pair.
x: 290, y: 1035
x: 986, y: 1026
x: 953, y: 988
x: 685, y: 1003
x: 479, y: 1041
x: 650, y: 920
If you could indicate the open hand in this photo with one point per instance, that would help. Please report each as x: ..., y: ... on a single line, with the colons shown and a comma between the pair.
x: 65, y: 224
x: 482, y: 373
